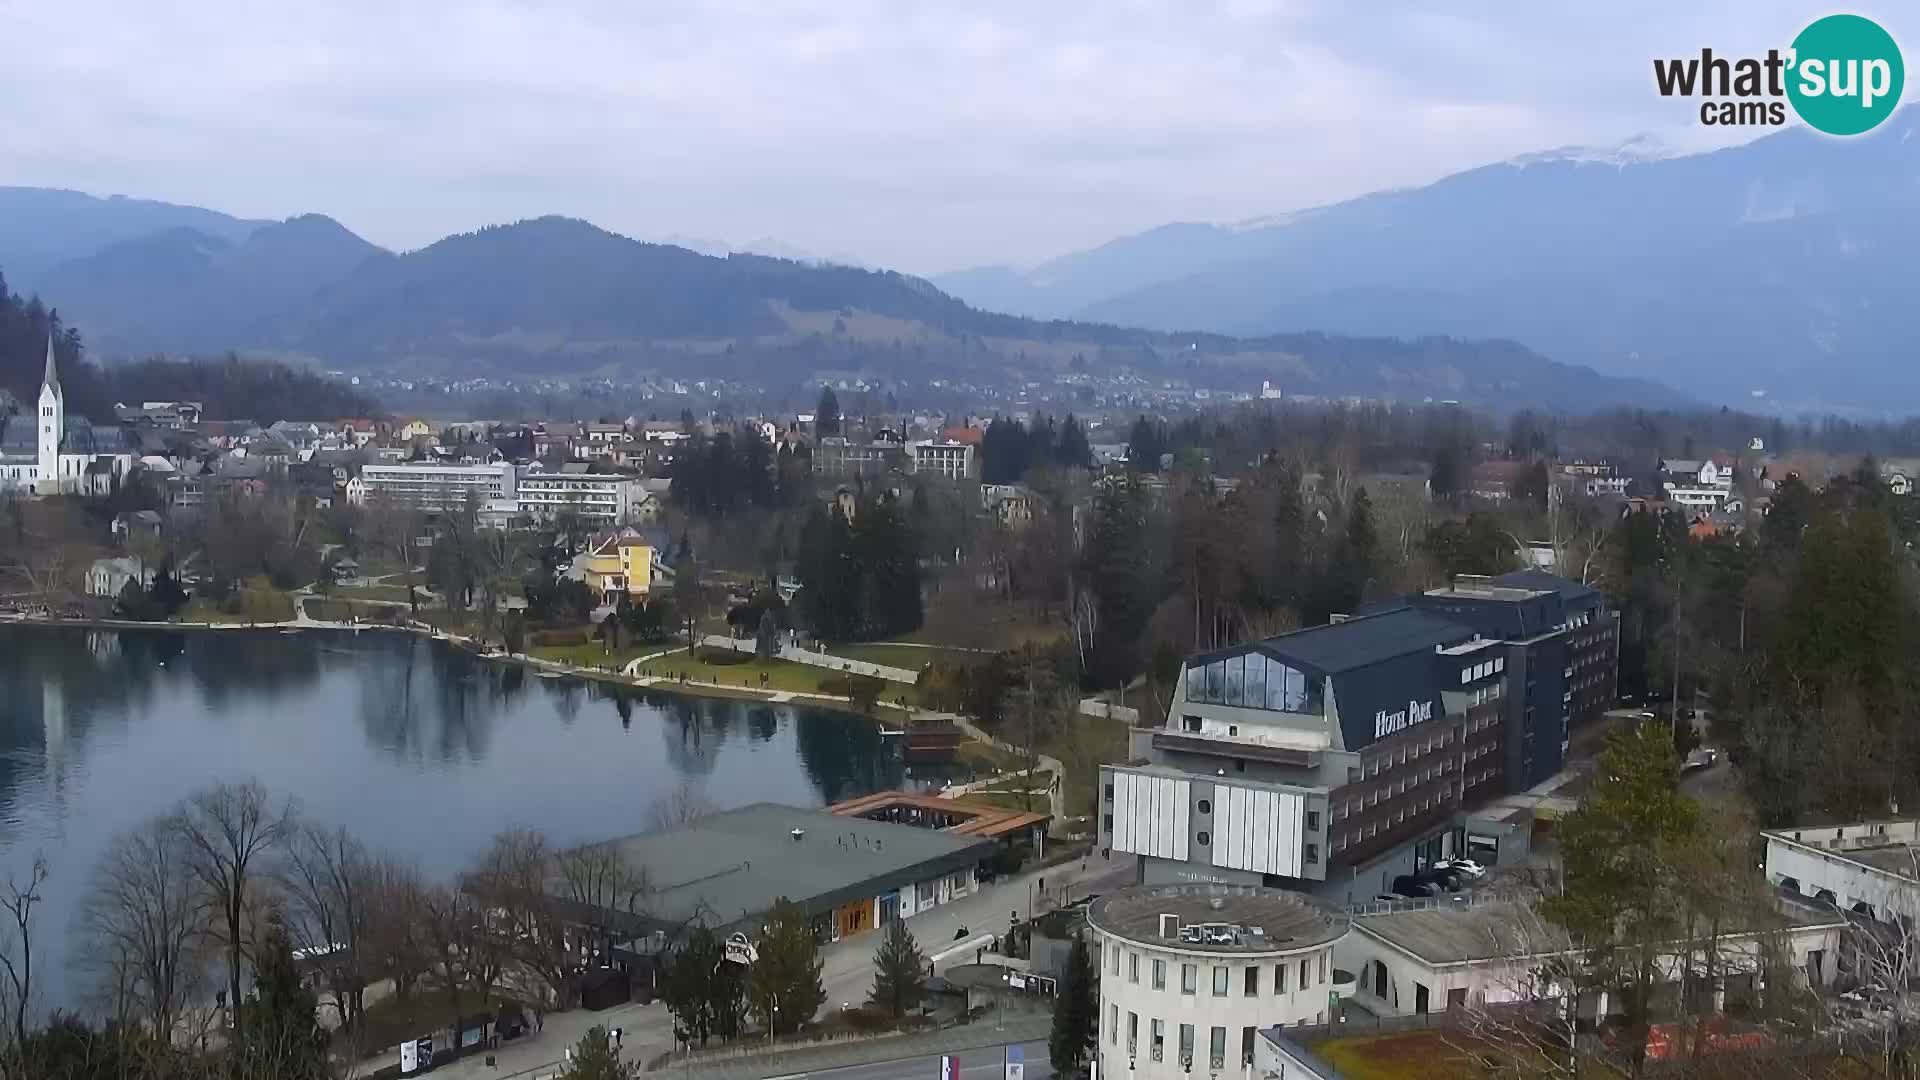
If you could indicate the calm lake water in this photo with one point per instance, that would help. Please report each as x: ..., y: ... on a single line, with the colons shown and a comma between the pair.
x: 419, y: 749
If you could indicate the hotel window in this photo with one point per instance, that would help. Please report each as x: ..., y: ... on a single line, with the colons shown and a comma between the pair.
x: 1189, y: 978
x: 1159, y: 1038
x: 1252, y: 987
x: 1313, y: 820
x: 1323, y: 968
x: 1313, y: 853
x: 1115, y: 965
x: 1221, y: 978
x: 1217, y: 1047
x: 1279, y: 978
x: 1113, y: 1023
x: 1159, y: 974
x: 1133, y: 1032
x: 1304, y: 972
x: 1186, y: 1044
x: 1133, y: 967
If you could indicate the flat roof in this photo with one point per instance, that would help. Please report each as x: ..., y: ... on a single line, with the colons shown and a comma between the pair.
x: 735, y: 864
x: 1491, y: 931
x: 1365, y: 640
x: 1270, y: 920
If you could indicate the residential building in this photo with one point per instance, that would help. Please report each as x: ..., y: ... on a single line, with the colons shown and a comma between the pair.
x: 108, y: 577
x: 168, y: 415
x: 1697, y: 485
x: 1010, y: 504
x: 434, y: 486
x: 598, y: 498
x: 951, y: 460
x: 624, y: 561
x: 136, y: 523
x: 415, y: 428
x: 1189, y: 975
x: 842, y: 458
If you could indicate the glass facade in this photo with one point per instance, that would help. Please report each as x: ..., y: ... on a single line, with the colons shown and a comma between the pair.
x: 1254, y: 680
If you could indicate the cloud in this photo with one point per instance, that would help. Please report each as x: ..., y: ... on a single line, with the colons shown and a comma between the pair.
x: 917, y: 134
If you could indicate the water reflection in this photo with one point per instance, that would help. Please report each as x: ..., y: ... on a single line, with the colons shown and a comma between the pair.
x: 419, y: 749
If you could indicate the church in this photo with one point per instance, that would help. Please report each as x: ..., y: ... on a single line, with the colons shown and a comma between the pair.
x: 50, y: 453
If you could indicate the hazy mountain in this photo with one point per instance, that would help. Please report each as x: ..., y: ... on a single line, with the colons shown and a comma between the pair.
x: 555, y: 295
x: 181, y: 289
x: 42, y: 227
x: 1774, y: 266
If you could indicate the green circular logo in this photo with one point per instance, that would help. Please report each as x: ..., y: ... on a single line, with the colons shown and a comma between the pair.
x: 1846, y: 75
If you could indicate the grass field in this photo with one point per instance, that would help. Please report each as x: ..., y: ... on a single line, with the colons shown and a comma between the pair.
x: 259, y: 603
x: 593, y: 654
x: 888, y: 654
x: 393, y: 593
x: 781, y: 674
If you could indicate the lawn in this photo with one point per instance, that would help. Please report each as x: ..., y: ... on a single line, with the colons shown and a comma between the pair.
x: 593, y: 654
x: 259, y: 603
x: 392, y: 593
x: 781, y: 674
x: 1082, y: 748
x: 889, y: 654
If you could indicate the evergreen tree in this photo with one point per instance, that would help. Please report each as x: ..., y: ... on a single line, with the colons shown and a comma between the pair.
x: 688, y: 600
x: 702, y: 990
x: 1353, y: 565
x: 1618, y: 904
x: 1144, y: 446
x: 784, y: 988
x: 594, y: 1058
x: 166, y: 594
x: 281, y: 1036
x: 826, y: 415
x: 1073, y: 451
x: 1076, y: 1012
x: 1116, y: 569
x: 899, y: 972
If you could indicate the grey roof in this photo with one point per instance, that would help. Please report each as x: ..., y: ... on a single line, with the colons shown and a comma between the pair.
x: 1568, y: 589
x: 1360, y: 642
x: 1286, y: 921
x: 733, y: 865
x: 1681, y: 465
x: 1440, y: 935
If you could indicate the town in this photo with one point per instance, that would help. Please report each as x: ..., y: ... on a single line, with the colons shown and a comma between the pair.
x: 1349, y: 733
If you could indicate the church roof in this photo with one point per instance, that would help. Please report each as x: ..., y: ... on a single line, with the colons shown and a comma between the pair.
x: 52, y: 376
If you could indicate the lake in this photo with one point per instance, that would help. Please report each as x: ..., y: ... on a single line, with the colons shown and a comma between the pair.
x: 419, y: 749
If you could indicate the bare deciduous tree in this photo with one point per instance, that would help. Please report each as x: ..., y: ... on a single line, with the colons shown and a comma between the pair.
x: 145, y: 924
x: 18, y: 901
x: 230, y: 829
x: 399, y: 945
x: 330, y: 881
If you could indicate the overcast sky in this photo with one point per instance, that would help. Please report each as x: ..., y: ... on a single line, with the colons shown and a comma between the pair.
x: 923, y: 136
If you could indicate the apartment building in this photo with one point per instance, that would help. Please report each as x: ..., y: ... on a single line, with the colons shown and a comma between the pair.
x: 599, y: 498
x: 950, y: 460
x: 434, y: 486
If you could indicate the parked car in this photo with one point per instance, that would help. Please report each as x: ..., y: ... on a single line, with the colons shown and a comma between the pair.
x: 1465, y: 867
x: 1413, y: 888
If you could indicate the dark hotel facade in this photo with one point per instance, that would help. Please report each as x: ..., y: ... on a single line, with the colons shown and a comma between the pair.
x: 1335, y: 758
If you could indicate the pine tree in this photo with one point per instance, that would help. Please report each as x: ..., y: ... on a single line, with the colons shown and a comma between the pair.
x: 1073, y: 452
x: 594, y: 1058
x: 899, y: 972
x: 784, y: 988
x: 826, y: 416
x: 1076, y: 1012
x: 702, y: 990
x: 281, y: 1037
x: 1116, y: 570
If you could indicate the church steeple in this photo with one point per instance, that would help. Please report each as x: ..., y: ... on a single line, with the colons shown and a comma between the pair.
x: 51, y: 380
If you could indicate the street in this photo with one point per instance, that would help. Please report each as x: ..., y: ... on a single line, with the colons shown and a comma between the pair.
x: 988, y: 1063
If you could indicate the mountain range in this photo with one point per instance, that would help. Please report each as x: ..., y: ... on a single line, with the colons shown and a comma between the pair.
x: 556, y: 296
x: 1776, y: 269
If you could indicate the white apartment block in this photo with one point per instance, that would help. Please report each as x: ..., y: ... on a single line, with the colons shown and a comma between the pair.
x: 952, y: 460
x: 434, y: 486
x: 598, y: 498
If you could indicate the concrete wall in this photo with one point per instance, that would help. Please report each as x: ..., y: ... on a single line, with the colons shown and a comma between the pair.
x: 1888, y: 895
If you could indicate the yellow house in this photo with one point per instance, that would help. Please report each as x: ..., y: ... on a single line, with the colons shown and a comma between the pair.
x: 618, y: 562
x: 415, y: 428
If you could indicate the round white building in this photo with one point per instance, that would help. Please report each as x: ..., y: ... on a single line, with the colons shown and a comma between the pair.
x: 1189, y: 974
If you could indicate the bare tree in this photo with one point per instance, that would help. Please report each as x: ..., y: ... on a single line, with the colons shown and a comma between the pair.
x: 230, y: 829
x: 399, y: 943
x: 145, y: 922
x: 330, y: 882
x: 681, y: 806
x: 1523, y: 1022
x: 18, y: 901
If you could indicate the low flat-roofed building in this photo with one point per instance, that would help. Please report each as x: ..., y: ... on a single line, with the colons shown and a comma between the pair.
x: 1445, y: 955
x: 848, y: 874
x: 958, y: 816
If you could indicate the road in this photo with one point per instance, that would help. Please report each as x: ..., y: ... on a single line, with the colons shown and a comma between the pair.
x: 988, y: 1063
